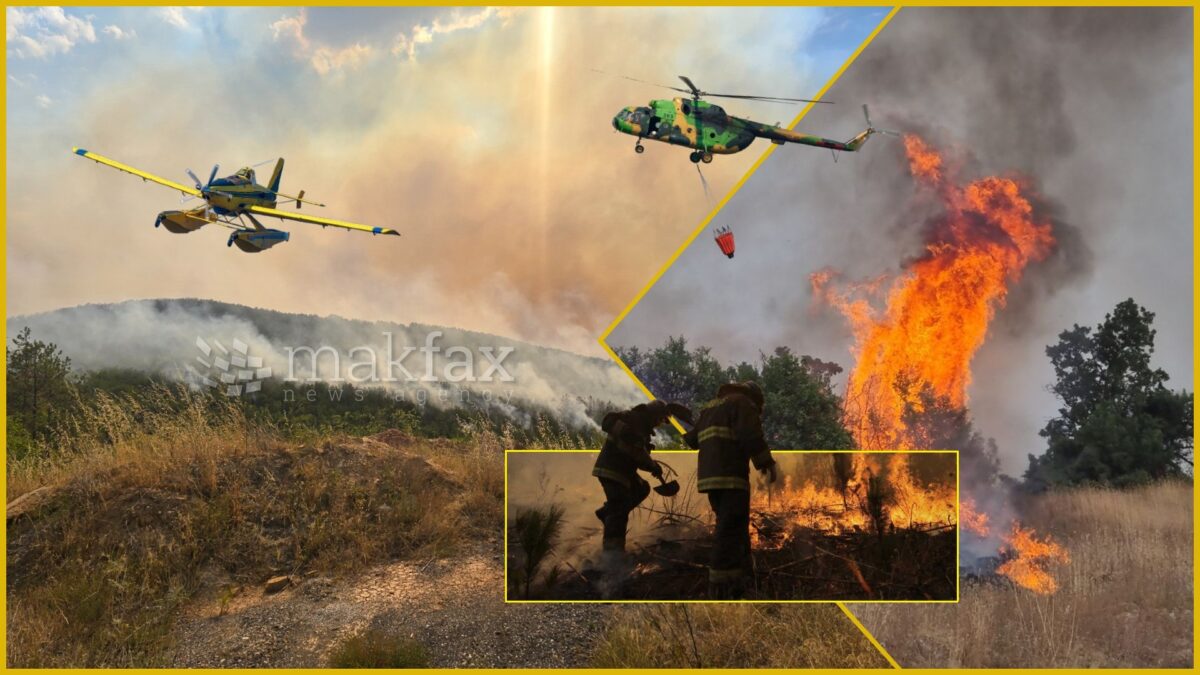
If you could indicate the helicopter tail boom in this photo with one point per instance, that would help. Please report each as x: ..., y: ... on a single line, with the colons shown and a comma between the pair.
x: 779, y: 136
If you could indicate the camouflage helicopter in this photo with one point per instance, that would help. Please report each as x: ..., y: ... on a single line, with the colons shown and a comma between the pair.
x: 708, y: 129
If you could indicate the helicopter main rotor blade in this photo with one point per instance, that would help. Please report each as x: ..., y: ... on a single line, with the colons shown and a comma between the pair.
x: 767, y: 99
x: 634, y: 79
x: 691, y: 85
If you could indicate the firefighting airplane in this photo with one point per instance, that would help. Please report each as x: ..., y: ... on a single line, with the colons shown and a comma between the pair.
x: 228, y: 200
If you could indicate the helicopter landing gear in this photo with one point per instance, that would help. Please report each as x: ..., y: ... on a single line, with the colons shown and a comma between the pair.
x: 638, y: 148
x: 706, y: 158
x: 698, y: 157
x: 695, y: 157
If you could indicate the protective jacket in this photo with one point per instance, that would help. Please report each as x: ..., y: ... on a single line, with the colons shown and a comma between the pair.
x: 627, y: 448
x: 729, y: 436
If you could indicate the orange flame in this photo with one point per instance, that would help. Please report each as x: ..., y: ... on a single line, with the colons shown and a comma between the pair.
x: 937, y: 311
x: 910, y: 503
x: 934, y: 318
x: 973, y: 520
x: 1032, y: 558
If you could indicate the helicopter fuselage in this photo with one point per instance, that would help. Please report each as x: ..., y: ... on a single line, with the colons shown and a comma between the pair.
x: 709, y: 130
x: 699, y: 125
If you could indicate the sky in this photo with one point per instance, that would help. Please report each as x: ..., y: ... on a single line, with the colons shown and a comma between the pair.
x: 483, y: 135
x: 1094, y: 107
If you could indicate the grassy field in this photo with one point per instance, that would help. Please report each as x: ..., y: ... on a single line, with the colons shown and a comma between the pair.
x: 153, y: 503
x: 735, y: 636
x: 1125, y: 598
x: 145, y: 508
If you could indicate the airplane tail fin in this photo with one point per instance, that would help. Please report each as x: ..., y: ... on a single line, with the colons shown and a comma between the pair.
x: 276, y: 176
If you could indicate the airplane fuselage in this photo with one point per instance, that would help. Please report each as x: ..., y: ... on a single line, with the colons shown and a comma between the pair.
x: 231, y: 196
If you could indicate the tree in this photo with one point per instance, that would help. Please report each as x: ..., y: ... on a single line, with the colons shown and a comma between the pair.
x: 1118, y: 424
x: 39, y: 388
x: 937, y: 424
x: 675, y: 373
x: 802, y: 412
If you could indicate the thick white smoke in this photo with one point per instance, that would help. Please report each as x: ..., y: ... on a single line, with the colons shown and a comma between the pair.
x: 441, y: 366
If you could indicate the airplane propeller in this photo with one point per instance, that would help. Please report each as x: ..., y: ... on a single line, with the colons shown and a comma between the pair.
x: 211, y: 177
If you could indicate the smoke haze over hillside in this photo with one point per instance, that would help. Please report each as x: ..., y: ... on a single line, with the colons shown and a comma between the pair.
x: 160, y: 336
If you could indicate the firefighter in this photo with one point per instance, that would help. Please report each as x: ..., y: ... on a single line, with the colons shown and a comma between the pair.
x: 626, y: 451
x: 729, y: 436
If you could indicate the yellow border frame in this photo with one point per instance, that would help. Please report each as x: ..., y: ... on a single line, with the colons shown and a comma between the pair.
x: 957, y: 538
x: 603, y: 337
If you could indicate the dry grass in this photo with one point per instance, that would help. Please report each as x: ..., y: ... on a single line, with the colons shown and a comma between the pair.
x: 1125, y: 599
x: 734, y: 636
x: 153, y: 502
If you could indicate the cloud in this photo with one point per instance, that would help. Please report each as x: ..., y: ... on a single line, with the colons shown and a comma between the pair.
x: 178, y: 16
x: 118, y: 33
x: 323, y: 59
x: 423, y: 34
x: 326, y: 58
x: 43, y: 101
x: 45, y: 31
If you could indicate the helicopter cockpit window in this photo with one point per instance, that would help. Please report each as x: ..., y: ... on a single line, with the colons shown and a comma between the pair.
x: 687, y: 109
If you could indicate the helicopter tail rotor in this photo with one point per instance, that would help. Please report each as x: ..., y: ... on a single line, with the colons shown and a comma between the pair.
x: 871, y: 127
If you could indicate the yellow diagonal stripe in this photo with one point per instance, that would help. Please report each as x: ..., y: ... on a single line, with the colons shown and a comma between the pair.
x: 603, y: 339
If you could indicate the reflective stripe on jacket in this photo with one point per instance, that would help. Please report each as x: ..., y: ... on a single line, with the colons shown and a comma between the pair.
x: 729, y: 436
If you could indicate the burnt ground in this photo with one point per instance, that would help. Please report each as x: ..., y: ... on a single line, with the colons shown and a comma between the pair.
x: 794, y: 563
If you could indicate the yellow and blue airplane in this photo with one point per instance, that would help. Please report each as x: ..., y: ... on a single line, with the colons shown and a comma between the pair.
x: 228, y: 200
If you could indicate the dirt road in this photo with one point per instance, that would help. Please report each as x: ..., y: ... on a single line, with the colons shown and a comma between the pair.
x: 454, y: 607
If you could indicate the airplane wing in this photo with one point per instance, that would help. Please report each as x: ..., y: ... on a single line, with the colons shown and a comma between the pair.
x: 136, y: 172
x: 324, y: 222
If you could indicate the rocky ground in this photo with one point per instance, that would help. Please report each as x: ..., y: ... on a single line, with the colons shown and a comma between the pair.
x: 453, y: 607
